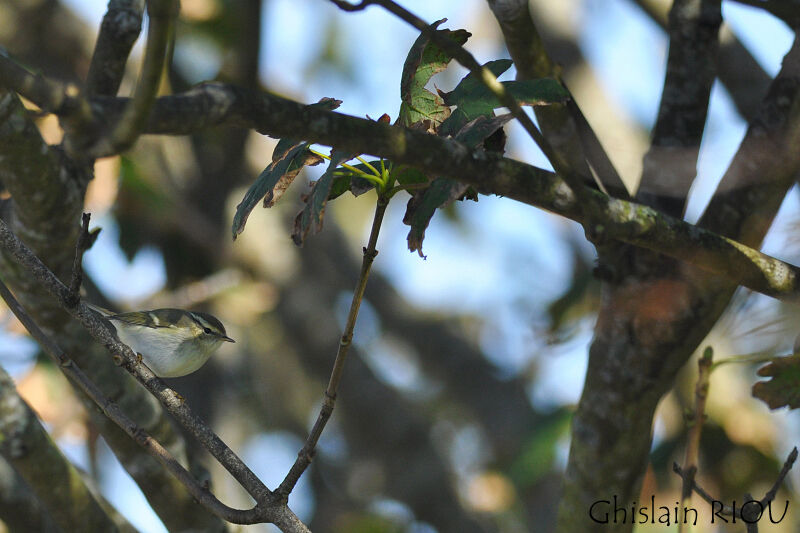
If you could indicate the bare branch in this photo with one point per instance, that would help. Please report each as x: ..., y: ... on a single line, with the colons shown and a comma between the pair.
x: 670, y: 164
x: 768, y: 497
x: 161, y: 14
x: 690, y: 461
x: 25, y: 444
x: 737, y: 69
x: 765, y: 165
x: 306, y: 454
x: 118, y: 32
x: 490, y: 174
x: 112, y: 411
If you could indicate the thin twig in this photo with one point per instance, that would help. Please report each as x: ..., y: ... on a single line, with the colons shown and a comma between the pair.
x: 768, y: 497
x: 704, y: 365
x: 306, y: 454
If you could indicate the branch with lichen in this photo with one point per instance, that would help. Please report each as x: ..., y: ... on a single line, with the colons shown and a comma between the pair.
x: 215, y: 104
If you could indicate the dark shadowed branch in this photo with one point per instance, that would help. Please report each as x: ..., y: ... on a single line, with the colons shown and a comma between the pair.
x: 118, y: 31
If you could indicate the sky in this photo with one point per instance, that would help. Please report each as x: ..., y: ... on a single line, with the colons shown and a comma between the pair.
x: 497, y: 239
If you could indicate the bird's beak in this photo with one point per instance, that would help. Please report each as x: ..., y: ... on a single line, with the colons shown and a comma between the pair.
x: 227, y: 339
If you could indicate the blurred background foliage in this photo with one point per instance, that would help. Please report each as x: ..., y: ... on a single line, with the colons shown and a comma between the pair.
x: 454, y: 414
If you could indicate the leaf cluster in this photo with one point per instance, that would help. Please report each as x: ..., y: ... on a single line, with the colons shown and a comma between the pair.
x: 465, y: 114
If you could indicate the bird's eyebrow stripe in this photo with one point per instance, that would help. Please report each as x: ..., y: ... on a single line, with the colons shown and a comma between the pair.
x: 198, y: 320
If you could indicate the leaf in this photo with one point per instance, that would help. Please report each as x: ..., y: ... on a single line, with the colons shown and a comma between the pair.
x: 423, y: 204
x: 309, y: 220
x: 350, y: 182
x: 475, y: 132
x: 288, y: 158
x: 353, y: 182
x: 784, y: 387
x: 273, y: 182
x: 472, y: 98
x: 406, y: 175
x: 423, y: 61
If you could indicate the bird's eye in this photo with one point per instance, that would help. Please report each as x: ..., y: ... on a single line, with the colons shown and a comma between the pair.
x: 207, y: 331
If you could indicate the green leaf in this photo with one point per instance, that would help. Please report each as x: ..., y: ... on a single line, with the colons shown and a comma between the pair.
x: 273, y: 181
x: 309, y: 220
x: 784, y: 387
x: 288, y: 158
x: 475, y: 132
x: 423, y: 204
x: 350, y: 182
x: 472, y: 98
x: 424, y: 60
x: 406, y: 175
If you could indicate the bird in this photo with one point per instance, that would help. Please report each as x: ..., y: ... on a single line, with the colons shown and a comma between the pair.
x: 171, y: 342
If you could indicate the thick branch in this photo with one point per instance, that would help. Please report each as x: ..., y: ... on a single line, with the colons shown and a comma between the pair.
x: 20, y: 508
x: 655, y: 312
x: 119, y: 30
x: 737, y: 69
x: 213, y: 104
x: 670, y: 164
x: 750, y: 192
x: 47, y: 195
x: 160, y: 14
x: 29, y: 449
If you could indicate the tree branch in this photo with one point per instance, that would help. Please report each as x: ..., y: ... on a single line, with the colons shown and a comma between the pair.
x: 561, y: 164
x: 691, y: 456
x: 765, y: 166
x: 212, y: 104
x: 306, y: 454
x: 670, y: 164
x: 47, y: 195
x: 118, y: 32
x: 267, y: 508
x: 737, y: 69
x: 29, y: 449
x: 655, y: 312
x: 160, y: 14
